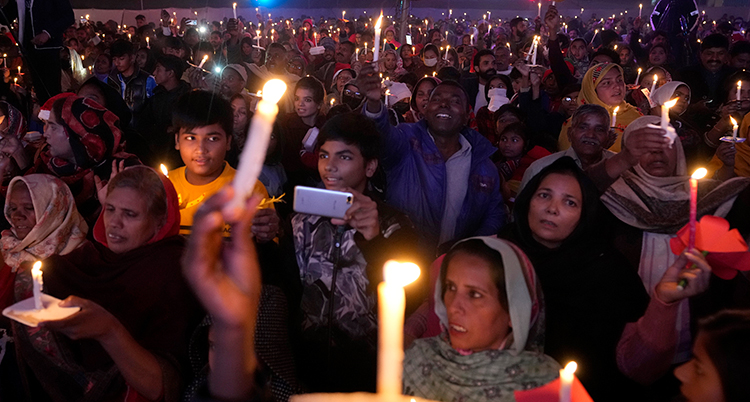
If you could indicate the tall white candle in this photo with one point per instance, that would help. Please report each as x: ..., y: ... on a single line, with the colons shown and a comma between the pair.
x: 447, y: 48
x: 735, y: 127
x: 392, y: 302
x: 614, y: 116
x: 739, y: 89
x: 234, y: 10
x: 376, y: 48
x: 536, y: 46
x: 566, y: 381
x: 539, y: 11
x: 36, y: 276
x: 254, y: 152
x: 638, y: 77
x: 653, y: 85
x: 665, y: 112
x: 640, y: 10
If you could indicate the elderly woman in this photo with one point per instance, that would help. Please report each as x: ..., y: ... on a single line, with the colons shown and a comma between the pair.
x: 604, y: 85
x: 130, y: 336
x: 485, y: 285
x: 651, y: 202
x: 589, y: 289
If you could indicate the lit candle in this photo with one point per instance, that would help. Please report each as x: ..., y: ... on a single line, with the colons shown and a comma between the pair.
x: 5, y: 62
x: 164, y: 170
x: 392, y: 302
x: 19, y: 69
x: 446, y: 52
x: 205, y: 59
x: 376, y: 49
x: 472, y: 40
x: 450, y: 13
x: 653, y: 85
x: 734, y: 130
x: 739, y: 89
x: 640, y: 10
x: 36, y: 276
x: 234, y: 10
x: 596, y: 31
x: 365, y: 48
x: 567, y: 375
x: 387, y: 93
x: 614, y: 116
x: 699, y: 174
x: 638, y: 77
x: 539, y: 12
x: 665, y: 113
x: 343, y: 15
x: 148, y: 43
x: 254, y: 152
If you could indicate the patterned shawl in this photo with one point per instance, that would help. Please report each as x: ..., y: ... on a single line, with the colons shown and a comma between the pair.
x: 59, y: 227
x: 434, y: 370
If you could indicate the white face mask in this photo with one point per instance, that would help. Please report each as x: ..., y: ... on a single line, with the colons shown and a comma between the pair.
x: 430, y: 62
x: 501, y: 92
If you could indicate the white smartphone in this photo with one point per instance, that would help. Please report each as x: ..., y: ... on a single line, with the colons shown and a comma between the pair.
x: 318, y: 201
x: 408, y: 39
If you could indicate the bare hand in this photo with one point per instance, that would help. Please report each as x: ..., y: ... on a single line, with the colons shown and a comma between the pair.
x: 92, y: 322
x: 10, y: 144
x: 637, y: 23
x: 643, y: 141
x: 362, y: 215
x: 697, y: 275
x: 101, y: 186
x: 265, y: 225
x: 726, y: 153
x: 40, y: 39
x: 225, y: 277
x: 368, y: 82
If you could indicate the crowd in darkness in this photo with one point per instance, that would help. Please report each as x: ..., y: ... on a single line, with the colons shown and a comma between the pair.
x: 537, y: 170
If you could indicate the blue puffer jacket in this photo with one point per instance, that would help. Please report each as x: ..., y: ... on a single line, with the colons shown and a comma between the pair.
x: 417, y: 181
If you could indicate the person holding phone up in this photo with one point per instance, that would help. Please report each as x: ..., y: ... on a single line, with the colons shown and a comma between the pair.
x: 340, y: 261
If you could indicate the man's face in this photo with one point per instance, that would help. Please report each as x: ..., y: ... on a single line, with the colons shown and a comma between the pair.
x: 589, y: 136
x: 140, y: 22
x: 70, y: 32
x: 276, y: 60
x: 572, y: 34
x: 713, y: 58
x: 202, y: 150
x: 502, y: 58
x: 343, y: 54
x: 215, y: 40
x: 329, y: 54
x: 446, y: 111
x: 521, y: 28
x: 81, y: 35
x: 162, y: 75
x: 123, y: 63
x: 742, y: 60
x: 231, y: 83
x: 102, y: 65
x: 342, y: 166
x: 659, y: 40
x: 486, y: 66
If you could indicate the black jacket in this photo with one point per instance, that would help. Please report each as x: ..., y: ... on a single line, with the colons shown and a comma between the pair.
x: 136, y: 90
x: 53, y: 16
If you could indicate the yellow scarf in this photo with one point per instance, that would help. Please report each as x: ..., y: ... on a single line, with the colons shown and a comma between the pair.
x: 625, y: 115
x: 742, y: 159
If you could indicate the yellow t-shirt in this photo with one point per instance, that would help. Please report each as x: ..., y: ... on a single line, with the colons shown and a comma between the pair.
x: 191, y: 196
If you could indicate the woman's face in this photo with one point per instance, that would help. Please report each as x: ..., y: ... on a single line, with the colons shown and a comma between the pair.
x: 477, y: 320
x: 424, y: 90
x: 497, y: 83
x: 406, y: 52
x: 625, y: 55
x: 246, y: 49
x: 429, y: 55
x: 555, y: 209
x: 102, y: 65
x: 699, y: 377
x: 657, y: 56
x: 127, y: 223
x: 578, y: 50
x: 239, y: 113
x: 342, y: 79
x: 295, y: 67
x: 21, y: 210
x: 304, y: 105
x: 648, y: 79
x: 256, y: 55
x: 611, y: 89
x: 511, y: 145
x: 57, y: 138
x: 141, y: 58
x: 389, y: 61
x: 504, y: 120
x: 682, y: 93
x: 661, y: 163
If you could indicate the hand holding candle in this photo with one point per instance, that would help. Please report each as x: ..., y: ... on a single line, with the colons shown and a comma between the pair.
x: 258, y: 137
x: 392, y: 302
x: 36, y: 276
x: 566, y: 381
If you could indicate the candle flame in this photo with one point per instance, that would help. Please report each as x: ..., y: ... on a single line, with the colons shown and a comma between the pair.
x: 37, y: 268
x: 617, y: 109
x: 205, y: 58
x: 377, y: 24
x: 639, y: 69
x: 571, y: 367
x: 164, y: 170
x: 400, y: 273
x: 699, y: 173
x: 234, y: 5
x: 273, y: 90
x: 734, y: 122
x: 671, y: 103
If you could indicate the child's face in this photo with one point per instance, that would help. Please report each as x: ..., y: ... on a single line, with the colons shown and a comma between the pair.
x: 700, y: 379
x: 304, y: 105
x: 239, y: 113
x: 342, y: 166
x: 202, y: 149
x: 511, y: 145
x: 578, y: 50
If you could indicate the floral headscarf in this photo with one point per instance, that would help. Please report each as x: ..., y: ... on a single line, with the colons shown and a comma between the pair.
x: 16, y: 121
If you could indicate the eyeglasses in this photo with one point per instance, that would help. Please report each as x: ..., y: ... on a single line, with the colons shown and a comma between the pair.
x: 292, y: 66
x: 349, y: 92
x: 567, y: 99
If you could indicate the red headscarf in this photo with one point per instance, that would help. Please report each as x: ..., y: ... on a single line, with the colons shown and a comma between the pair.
x: 171, y: 226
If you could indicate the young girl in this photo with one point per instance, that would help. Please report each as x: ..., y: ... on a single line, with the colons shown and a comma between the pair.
x: 516, y: 158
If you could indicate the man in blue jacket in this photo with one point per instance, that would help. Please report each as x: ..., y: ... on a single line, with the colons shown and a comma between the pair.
x: 438, y: 170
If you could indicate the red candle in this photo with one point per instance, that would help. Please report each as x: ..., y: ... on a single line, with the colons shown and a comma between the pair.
x: 699, y: 174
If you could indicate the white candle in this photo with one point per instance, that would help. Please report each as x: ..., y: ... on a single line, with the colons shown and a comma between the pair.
x: 376, y: 48
x: 387, y: 94
x: 739, y: 89
x: 735, y: 127
x: 447, y: 48
x: 653, y: 85
x: 539, y: 12
x: 566, y: 381
x: 614, y: 116
x: 536, y: 46
x: 638, y: 77
x: 343, y: 15
x: 234, y: 10
x: 665, y: 112
x: 36, y: 276
x: 205, y: 59
x: 392, y: 302
x: 148, y: 43
x: 640, y: 10
x: 254, y: 152
x: 164, y: 169
x: 596, y: 31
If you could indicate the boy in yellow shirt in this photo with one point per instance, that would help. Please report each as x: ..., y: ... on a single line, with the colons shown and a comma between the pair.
x: 204, y: 125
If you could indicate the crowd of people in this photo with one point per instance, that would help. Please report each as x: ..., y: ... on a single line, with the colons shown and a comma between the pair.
x: 525, y: 165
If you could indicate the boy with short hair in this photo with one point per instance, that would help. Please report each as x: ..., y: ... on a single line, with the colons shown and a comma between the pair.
x: 132, y: 83
x: 340, y: 262
x: 204, y: 125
